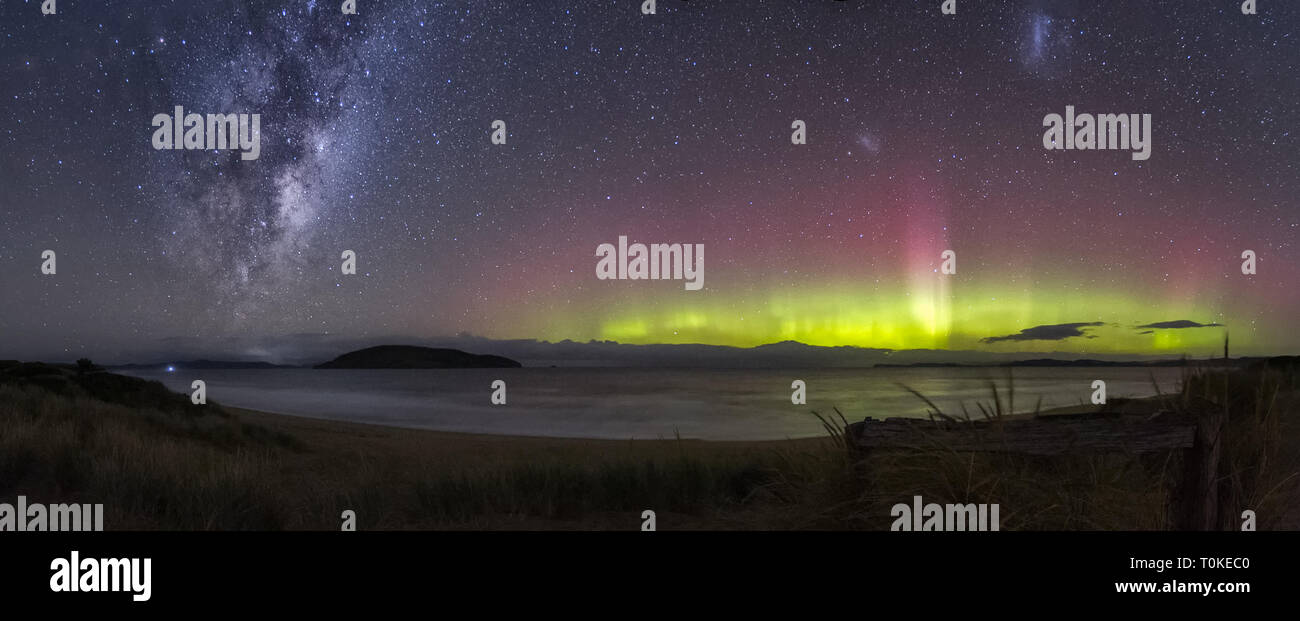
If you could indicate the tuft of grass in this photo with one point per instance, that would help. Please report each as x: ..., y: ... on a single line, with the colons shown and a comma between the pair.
x: 1260, y: 462
x: 157, y: 462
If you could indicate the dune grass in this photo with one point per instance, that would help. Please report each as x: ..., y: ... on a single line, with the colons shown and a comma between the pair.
x: 1116, y: 491
x: 158, y: 462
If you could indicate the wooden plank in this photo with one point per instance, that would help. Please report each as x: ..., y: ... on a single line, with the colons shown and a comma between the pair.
x: 1194, y: 501
x: 1045, y: 435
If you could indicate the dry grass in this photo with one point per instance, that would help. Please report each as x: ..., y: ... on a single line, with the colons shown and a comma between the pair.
x: 156, y: 462
x: 1095, y: 492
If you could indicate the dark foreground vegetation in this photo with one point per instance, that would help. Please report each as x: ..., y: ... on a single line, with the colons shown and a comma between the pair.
x: 77, y: 434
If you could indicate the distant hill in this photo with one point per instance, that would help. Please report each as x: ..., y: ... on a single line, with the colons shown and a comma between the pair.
x: 1086, y: 362
x: 413, y: 357
x: 1050, y: 362
x: 90, y: 382
x: 203, y: 364
x: 1275, y: 361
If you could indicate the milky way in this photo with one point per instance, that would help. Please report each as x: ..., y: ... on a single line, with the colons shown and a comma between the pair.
x: 924, y: 134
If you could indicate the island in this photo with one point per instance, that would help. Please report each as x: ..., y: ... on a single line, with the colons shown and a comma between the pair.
x: 414, y: 357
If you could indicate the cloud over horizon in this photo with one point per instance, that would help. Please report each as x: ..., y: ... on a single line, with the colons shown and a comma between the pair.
x: 1049, y: 332
x: 1177, y: 324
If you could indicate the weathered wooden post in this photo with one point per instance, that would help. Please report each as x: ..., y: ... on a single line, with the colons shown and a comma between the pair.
x: 1195, y: 502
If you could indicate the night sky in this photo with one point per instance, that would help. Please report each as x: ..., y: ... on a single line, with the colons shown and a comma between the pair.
x: 925, y: 134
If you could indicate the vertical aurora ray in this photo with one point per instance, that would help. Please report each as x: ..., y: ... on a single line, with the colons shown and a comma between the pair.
x: 921, y: 138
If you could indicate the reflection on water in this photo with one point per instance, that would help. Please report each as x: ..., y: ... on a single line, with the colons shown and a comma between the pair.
x: 644, y: 403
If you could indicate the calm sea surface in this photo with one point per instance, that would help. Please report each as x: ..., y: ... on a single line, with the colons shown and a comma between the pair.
x: 644, y: 403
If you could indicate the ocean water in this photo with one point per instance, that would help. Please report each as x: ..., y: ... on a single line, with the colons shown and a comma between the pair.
x: 712, y: 404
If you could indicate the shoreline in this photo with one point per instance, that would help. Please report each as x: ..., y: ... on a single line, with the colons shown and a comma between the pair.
x: 166, y: 463
x: 352, y: 436
x: 312, y: 429
x: 558, y: 422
